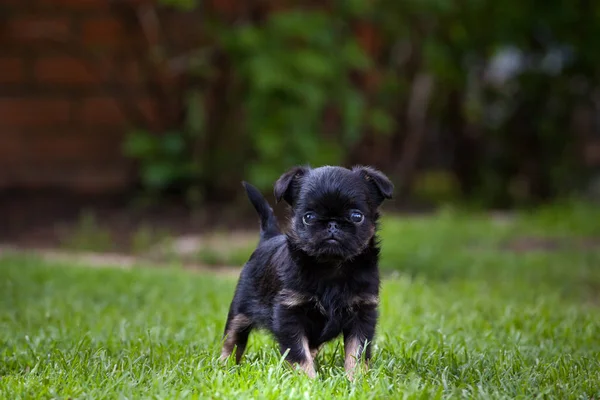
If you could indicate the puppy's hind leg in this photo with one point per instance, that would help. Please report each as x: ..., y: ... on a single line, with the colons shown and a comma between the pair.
x: 314, y: 351
x: 237, y: 330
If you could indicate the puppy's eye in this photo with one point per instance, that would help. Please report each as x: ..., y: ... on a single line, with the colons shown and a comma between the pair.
x: 357, y: 217
x: 309, y: 218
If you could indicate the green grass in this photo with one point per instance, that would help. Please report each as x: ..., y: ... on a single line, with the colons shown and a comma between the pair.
x: 88, y: 235
x: 454, y: 246
x: 461, y: 317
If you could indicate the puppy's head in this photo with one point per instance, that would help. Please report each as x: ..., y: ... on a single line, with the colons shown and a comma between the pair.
x: 335, y: 209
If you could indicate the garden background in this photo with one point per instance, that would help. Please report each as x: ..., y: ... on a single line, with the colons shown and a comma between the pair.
x: 126, y: 127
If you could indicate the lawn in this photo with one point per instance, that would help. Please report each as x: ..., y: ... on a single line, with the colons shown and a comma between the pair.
x: 472, y: 307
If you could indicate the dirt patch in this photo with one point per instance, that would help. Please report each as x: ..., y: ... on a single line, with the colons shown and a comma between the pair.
x: 50, y: 218
x: 112, y: 260
x: 221, y: 242
x: 47, y: 219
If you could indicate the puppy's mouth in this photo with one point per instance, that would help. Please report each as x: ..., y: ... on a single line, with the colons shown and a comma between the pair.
x: 332, y: 240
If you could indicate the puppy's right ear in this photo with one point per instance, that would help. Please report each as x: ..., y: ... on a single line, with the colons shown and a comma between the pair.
x: 288, y: 184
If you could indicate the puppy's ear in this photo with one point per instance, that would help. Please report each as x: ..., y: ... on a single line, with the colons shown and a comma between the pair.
x: 288, y: 184
x: 379, y: 185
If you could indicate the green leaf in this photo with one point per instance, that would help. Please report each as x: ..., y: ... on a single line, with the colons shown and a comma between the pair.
x: 184, y: 5
x: 356, y: 8
x: 140, y: 144
x: 381, y: 121
x: 264, y: 174
x: 265, y: 73
x: 313, y: 64
x: 248, y: 38
x: 352, y: 112
x: 355, y: 56
x: 328, y: 154
x: 158, y: 175
x: 173, y: 143
x: 195, y: 113
x: 270, y: 143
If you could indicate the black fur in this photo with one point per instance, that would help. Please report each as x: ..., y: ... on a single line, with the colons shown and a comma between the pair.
x: 320, y: 279
x: 268, y: 223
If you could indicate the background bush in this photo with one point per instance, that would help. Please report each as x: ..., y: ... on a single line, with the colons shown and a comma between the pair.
x: 490, y: 102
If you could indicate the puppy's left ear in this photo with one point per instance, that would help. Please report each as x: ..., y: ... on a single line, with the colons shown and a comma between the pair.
x: 380, y: 186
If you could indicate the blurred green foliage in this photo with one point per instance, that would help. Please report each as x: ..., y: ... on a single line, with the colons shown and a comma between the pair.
x: 511, y: 104
x: 294, y: 67
x: 162, y: 158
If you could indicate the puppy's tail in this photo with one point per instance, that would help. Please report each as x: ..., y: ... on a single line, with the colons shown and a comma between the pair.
x: 268, y: 222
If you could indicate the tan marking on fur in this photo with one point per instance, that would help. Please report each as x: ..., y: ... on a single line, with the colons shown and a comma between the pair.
x: 237, y: 323
x: 366, y: 300
x: 292, y: 298
x: 322, y: 309
x: 353, y: 350
x: 308, y: 364
x: 314, y: 352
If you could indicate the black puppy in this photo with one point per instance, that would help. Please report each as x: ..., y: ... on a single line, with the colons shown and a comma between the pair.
x: 322, y: 278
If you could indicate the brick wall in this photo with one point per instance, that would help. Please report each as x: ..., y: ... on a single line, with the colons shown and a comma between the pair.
x: 77, y: 75
x: 69, y: 70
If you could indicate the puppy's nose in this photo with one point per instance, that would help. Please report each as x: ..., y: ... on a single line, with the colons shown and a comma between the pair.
x: 332, y: 227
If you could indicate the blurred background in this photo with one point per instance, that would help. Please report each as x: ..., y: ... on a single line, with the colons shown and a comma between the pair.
x: 124, y: 120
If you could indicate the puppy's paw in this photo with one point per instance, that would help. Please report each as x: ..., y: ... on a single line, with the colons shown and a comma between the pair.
x: 227, y: 352
x: 310, y: 371
x: 224, y: 357
x: 308, y: 368
x: 354, y: 369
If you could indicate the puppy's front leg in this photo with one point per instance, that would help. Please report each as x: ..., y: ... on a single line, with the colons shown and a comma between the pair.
x: 357, y: 340
x: 299, y: 353
x: 290, y: 334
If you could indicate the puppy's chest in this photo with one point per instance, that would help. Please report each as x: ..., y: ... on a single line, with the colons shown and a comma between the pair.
x: 329, y: 300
